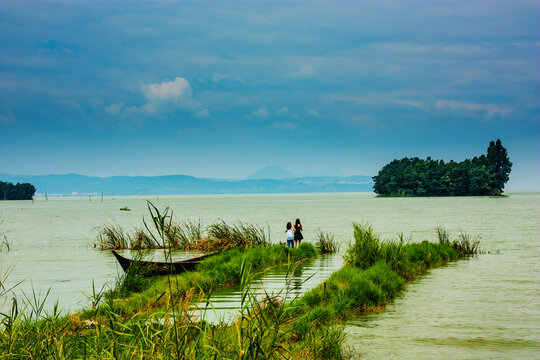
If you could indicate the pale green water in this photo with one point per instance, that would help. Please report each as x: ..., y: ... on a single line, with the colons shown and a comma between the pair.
x: 485, y: 307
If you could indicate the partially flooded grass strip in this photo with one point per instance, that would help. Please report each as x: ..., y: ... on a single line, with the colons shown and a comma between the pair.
x: 165, y: 325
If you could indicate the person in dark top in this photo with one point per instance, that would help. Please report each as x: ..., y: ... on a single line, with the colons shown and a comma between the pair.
x: 297, y: 233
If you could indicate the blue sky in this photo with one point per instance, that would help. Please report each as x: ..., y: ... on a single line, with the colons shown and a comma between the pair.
x: 222, y: 89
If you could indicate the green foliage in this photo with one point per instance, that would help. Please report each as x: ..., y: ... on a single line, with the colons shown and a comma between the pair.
x: 24, y: 191
x: 161, y: 231
x: 499, y: 164
x: 365, y: 250
x: 484, y: 175
x: 326, y: 243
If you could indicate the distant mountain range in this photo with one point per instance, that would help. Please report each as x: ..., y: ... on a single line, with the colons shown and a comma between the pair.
x: 277, y: 172
x: 74, y: 184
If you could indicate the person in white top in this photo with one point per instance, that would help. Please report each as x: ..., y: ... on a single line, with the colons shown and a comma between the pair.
x: 290, y: 235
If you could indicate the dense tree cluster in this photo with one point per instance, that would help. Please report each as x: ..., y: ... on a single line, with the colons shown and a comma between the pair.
x: 484, y: 175
x: 24, y: 191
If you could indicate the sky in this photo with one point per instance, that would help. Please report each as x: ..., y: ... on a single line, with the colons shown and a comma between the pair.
x: 222, y: 89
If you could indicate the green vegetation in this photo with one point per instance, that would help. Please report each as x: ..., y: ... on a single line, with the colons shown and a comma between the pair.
x: 375, y: 272
x: 24, y: 191
x: 160, y: 322
x: 484, y: 175
x: 5, y: 244
x: 213, y: 273
x: 162, y: 232
x: 326, y: 243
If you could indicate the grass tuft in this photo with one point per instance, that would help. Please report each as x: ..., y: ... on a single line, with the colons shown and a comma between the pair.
x: 326, y: 243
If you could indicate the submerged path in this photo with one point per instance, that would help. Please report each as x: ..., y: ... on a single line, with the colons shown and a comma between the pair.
x: 308, y: 275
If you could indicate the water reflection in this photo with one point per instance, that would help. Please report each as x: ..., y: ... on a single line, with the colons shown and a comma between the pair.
x: 225, y: 304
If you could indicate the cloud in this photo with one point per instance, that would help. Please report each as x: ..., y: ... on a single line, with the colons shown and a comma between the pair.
x: 260, y: 113
x: 313, y: 113
x: 204, y: 113
x: 488, y: 109
x: 163, y: 97
x: 114, y: 109
x: 217, y: 77
x: 7, y: 118
x: 284, y: 125
x: 285, y: 111
x: 176, y: 91
x: 415, y: 104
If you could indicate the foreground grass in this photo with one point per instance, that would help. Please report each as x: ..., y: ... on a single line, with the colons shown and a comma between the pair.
x: 310, y: 327
x: 137, y: 294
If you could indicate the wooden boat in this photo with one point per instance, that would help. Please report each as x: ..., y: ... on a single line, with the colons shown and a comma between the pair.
x: 150, y: 268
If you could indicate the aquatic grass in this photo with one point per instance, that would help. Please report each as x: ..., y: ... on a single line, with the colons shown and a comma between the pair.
x: 5, y: 244
x: 467, y: 244
x: 189, y: 232
x: 443, y: 235
x: 160, y: 322
x: 216, y: 272
x: 162, y: 232
x: 224, y: 236
x: 326, y: 243
x: 365, y: 249
x: 112, y: 237
x: 140, y: 240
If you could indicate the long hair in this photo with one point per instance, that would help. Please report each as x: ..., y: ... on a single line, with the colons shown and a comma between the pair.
x: 297, y: 224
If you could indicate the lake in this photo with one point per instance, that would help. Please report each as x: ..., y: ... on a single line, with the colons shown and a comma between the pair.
x: 484, y: 307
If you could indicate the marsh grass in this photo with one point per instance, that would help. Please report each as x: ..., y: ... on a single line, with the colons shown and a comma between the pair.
x: 467, y: 244
x: 326, y: 242
x: 162, y: 232
x: 161, y: 322
x: 375, y: 272
x: 112, y: 237
x: 5, y: 244
x: 464, y: 243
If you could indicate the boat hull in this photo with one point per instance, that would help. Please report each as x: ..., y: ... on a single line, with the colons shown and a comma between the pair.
x: 151, y: 268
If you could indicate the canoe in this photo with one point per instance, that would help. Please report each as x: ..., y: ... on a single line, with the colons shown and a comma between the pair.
x: 150, y: 268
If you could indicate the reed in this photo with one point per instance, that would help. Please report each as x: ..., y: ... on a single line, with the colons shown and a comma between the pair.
x: 326, y: 243
x: 467, y: 244
x: 442, y: 234
x: 5, y: 244
x: 112, y: 237
x: 160, y: 322
x: 161, y: 231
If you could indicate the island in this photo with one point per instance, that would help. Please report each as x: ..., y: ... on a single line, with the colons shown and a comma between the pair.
x: 24, y: 191
x: 484, y: 175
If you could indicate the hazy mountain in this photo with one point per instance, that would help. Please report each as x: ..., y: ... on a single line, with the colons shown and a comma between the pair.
x: 271, y: 172
x: 73, y: 184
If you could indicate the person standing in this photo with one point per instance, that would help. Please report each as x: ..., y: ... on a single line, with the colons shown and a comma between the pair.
x: 298, y: 233
x: 290, y: 235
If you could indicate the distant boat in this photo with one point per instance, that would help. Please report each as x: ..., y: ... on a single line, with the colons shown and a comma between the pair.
x: 150, y: 268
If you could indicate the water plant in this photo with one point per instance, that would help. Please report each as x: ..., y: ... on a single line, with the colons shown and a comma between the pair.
x: 464, y: 243
x: 5, y: 244
x: 160, y: 321
x: 326, y: 242
x: 112, y: 237
x: 161, y: 231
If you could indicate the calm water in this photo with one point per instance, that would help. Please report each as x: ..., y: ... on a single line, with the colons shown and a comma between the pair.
x: 485, y: 307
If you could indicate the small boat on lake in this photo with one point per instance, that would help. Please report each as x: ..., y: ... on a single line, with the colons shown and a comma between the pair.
x: 150, y: 268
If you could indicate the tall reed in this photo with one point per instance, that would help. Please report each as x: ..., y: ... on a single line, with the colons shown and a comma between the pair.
x: 326, y: 242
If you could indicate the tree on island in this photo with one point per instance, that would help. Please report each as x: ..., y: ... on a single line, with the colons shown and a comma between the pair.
x: 484, y: 175
x: 24, y: 191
